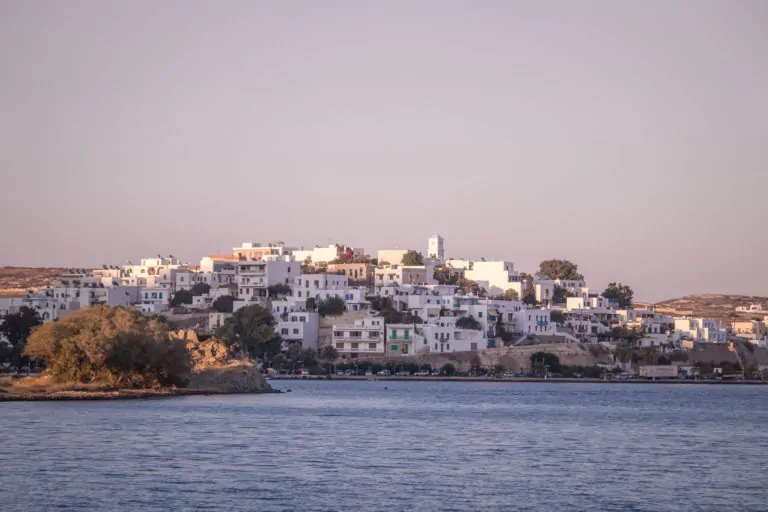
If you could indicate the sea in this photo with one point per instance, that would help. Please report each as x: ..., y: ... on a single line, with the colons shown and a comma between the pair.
x: 395, y: 446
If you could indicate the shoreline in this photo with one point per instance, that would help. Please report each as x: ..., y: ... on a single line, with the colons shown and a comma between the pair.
x: 560, y: 380
x: 123, y: 394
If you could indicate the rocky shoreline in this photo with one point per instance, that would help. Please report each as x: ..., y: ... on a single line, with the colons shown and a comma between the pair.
x: 123, y: 394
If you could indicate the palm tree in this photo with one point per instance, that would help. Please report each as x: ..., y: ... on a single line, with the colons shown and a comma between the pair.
x: 651, y: 355
x: 330, y: 355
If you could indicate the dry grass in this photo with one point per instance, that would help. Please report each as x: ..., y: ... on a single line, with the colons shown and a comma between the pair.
x: 43, y: 384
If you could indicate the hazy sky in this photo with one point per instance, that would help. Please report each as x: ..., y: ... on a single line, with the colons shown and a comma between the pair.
x: 630, y: 137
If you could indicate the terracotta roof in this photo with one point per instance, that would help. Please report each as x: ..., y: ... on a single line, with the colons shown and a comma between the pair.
x: 223, y: 257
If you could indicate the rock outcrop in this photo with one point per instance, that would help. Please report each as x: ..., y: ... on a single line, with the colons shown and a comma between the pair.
x: 218, y: 369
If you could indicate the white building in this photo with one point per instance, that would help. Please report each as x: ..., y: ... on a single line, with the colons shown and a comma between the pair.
x: 254, y: 251
x: 295, y: 324
x: 255, y: 276
x: 752, y: 308
x: 495, y: 276
x: 441, y: 335
x: 396, y: 275
x: 703, y: 330
x: 365, y: 337
x: 390, y: 256
x: 327, y: 254
x: 435, y: 248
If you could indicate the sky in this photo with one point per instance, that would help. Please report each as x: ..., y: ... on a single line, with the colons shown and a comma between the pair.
x: 629, y: 137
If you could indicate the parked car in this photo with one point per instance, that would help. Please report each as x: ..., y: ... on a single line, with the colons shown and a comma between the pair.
x: 403, y: 374
x: 509, y: 375
x: 421, y: 374
x: 383, y: 373
x: 368, y: 373
x: 436, y: 373
x: 340, y: 372
x: 350, y: 373
x: 284, y: 372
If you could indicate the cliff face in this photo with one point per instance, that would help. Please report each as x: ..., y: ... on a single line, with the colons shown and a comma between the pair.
x: 217, y: 369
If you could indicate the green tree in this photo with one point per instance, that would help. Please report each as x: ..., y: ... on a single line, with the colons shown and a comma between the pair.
x: 116, y: 346
x: 499, y: 369
x: 443, y: 275
x: 560, y: 295
x: 623, y: 352
x: 332, y: 306
x: 413, y: 259
x: 557, y: 316
x: 468, y: 322
x: 560, y: 269
x: 651, y: 355
x: 200, y: 289
x: 16, y: 328
x: 279, y: 289
x: 620, y: 292
x: 750, y: 369
x: 252, y: 330
x: 448, y: 369
x: 540, y: 360
x: 529, y: 294
x: 329, y: 353
x: 224, y: 304
x: 509, y: 294
x: 181, y: 297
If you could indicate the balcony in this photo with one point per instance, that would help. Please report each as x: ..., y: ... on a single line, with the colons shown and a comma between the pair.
x: 360, y: 350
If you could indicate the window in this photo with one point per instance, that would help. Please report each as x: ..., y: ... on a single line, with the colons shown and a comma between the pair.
x: 394, y: 348
x: 372, y: 346
x: 340, y: 345
x: 405, y: 349
x: 338, y: 334
x: 435, y: 346
x: 479, y: 314
x: 406, y: 334
x: 425, y: 342
x: 283, y: 331
x: 302, y: 319
x: 299, y: 293
x: 473, y: 346
x: 354, y: 346
x: 293, y: 319
x: 435, y: 335
x: 447, y: 346
x: 160, y: 295
x: 394, y: 334
x: 295, y: 331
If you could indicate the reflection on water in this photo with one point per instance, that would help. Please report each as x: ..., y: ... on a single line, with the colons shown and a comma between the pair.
x: 395, y: 446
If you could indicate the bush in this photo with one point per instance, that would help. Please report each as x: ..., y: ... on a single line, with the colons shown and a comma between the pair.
x: 116, y: 346
x: 181, y: 297
x: 224, y: 304
x: 332, y: 306
x: 200, y: 289
x: 448, y: 369
x: 468, y: 322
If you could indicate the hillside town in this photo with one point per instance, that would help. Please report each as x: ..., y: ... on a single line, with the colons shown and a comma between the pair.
x: 397, y: 303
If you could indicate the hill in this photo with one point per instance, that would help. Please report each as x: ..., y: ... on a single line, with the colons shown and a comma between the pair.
x: 16, y: 281
x: 718, y: 306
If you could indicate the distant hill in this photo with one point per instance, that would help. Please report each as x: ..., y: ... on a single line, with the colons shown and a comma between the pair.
x: 16, y: 281
x: 710, y: 305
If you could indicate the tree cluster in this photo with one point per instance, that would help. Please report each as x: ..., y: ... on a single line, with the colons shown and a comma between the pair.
x: 252, y: 329
x: 114, y: 346
x: 16, y: 328
x: 560, y: 269
x: 621, y: 293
